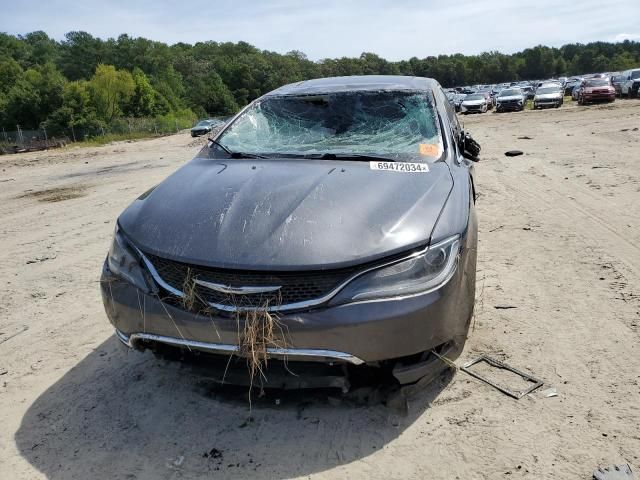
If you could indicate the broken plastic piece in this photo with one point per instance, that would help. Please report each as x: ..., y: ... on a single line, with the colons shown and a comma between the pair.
x: 616, y: 472
x: 498, y: 364
x: 513, y: 153
x: 549, y: 392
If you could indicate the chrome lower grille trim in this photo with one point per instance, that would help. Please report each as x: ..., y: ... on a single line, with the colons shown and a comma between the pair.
x: 302, y: 354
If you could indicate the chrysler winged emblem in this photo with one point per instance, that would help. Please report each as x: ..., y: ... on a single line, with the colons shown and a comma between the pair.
x: 218, y: 287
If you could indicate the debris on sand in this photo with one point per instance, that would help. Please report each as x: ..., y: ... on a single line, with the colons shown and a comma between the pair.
x: 549, y: 392
x: 531, y: 383
x: 57, y: 194
x: 44, y: 258
x: 503, y: 306
x: 514, y: 153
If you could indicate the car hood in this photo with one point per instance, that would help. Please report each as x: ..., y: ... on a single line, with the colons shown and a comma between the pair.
x: 286, y: 214
x: 511, y: 97
x: 547, y: 96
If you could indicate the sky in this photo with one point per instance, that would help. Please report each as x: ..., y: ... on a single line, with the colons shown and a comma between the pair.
x: 395, y: 30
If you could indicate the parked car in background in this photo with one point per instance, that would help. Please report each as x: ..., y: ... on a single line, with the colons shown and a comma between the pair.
x: 631, y: 83
x: 616, y: 83
x: 596, y: 89
x: 548, y: 96
x: 510, y: 99
x: 457, y: 100
x: 204, y: 126
x: 358, y: 283
x: 475, y: 103
x: 528, y: 92
x: 571, y: 84
x: 487, y: 90
x: 549, y: 83
x: 575, y: 92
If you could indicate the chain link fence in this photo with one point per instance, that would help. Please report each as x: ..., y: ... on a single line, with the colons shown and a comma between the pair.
x: 21, y: 140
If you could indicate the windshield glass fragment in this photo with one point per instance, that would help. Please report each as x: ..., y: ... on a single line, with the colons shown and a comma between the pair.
x: 398, y: 125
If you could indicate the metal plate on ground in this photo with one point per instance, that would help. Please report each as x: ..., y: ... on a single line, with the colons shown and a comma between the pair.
x: 498, y: 364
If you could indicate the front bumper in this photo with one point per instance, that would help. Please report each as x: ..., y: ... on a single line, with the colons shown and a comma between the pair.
x: 546, y: 103
x: 472, y: 109
x: 372, y: 333
x: 510, y: 106
x: 595, y: 97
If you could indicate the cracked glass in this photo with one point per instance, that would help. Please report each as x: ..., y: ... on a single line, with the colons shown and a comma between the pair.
x: 399, y: 125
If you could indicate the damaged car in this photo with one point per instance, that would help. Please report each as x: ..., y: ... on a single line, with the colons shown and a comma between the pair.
x: 548, y: 96
x: 475, y: 103
x: 511, y: 99
x: 596, y: 90
x: 328, y: 229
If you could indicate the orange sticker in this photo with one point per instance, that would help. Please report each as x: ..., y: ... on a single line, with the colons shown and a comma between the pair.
x: 429, y: 149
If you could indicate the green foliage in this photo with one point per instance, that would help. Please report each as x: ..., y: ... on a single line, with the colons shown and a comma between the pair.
x: 142, y: 103
x: 92, y: 84
x: 111, y: 90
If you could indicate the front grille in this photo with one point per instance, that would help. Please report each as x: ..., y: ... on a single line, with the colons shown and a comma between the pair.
x: 296, y: 286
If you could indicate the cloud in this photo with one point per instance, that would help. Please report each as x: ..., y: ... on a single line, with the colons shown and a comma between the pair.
x: 395, y: 30
x: 621, y: 37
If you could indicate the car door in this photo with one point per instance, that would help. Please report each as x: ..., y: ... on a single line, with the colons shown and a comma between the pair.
x: 457, y: 134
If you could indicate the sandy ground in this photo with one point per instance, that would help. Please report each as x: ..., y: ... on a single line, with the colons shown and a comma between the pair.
x: 559, y: 240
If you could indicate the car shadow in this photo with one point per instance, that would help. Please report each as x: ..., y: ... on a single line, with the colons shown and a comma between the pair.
x: 128, y: 415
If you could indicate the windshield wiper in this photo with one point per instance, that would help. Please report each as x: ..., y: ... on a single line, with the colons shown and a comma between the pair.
x: 235, y: 154
x: 348, y: 156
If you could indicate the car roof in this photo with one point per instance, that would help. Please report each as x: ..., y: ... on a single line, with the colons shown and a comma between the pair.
x: 356, y: 83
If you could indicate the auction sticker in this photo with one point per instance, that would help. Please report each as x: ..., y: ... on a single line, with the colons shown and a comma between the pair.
x: 405, y: 167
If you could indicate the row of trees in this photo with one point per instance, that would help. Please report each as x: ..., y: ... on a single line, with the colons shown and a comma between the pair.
x: 86, y: 81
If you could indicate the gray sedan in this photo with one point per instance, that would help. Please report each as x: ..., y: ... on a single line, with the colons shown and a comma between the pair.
x: 329, y: 229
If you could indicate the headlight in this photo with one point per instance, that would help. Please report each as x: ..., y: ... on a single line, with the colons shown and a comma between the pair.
x: 420, y: 274
x: 123, y: 262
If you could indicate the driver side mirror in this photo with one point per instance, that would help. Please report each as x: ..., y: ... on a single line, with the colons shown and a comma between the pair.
x: 470, y: 148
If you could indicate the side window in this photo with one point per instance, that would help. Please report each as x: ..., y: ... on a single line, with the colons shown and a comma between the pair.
x: 451, y: 115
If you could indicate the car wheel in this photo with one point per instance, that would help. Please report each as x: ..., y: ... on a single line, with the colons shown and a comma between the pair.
x: 485, y: 108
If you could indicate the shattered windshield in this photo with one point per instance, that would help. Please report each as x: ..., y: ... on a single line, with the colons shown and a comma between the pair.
x: 397, y: 125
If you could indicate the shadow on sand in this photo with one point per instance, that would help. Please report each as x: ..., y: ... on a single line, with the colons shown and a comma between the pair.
x: 130, y: 416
